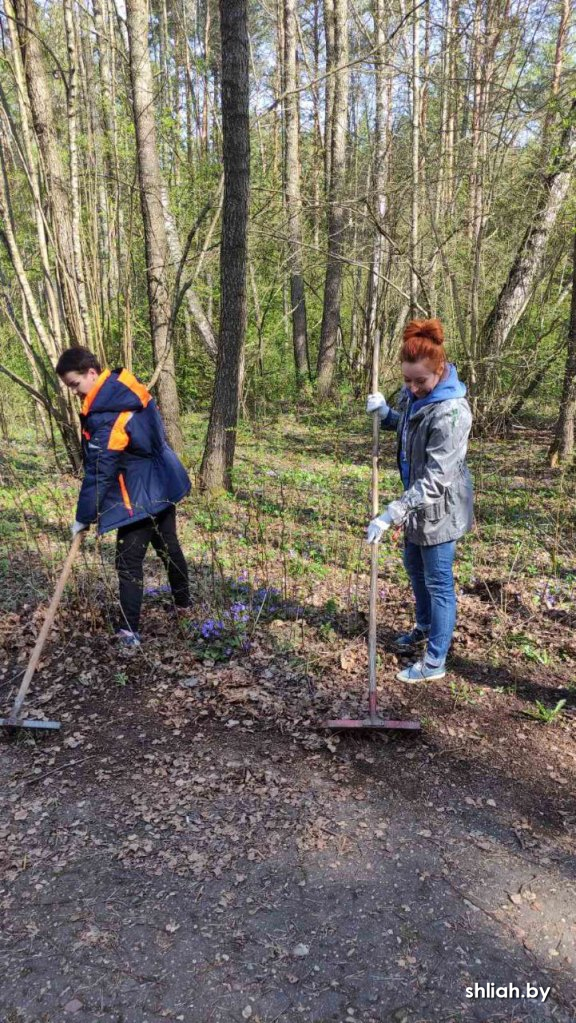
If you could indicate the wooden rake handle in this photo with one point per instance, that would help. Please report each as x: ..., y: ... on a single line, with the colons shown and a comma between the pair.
x: 374, y: 546
x: 48, y: 622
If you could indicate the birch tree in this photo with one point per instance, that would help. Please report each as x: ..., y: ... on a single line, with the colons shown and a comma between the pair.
x: 415, y: 210
x: 562, y: 447
x: 524, y: 272
x: 72, y: 104
x: 336, y: 130
x: 380, y: 179
x: 57, y: 192
x: 292, y: 193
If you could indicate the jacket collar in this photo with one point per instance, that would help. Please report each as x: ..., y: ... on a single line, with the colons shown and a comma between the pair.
x: 449, y: 387
x: 89, y: 399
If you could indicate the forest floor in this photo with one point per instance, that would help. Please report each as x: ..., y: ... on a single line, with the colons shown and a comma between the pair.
x: 193, y: 846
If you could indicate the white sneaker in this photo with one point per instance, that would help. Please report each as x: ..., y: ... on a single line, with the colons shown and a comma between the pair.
x: 127, y: 638
x: 421, y: 672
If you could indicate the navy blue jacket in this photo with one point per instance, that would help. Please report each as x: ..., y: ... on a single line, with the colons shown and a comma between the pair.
x: 130, y: 472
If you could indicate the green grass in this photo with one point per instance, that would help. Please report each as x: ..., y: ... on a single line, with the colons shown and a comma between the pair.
x: 298, y: 515
x: 547, y: 715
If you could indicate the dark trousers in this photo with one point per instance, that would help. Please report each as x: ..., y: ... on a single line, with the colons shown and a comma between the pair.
x: 131, y: 546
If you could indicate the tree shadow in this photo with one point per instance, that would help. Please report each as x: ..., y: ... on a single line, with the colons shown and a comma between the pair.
x: 268, y: 505
x: 353, y: 449
x: 566, y: 618
x: 502, y: 677
x: 475, y: 773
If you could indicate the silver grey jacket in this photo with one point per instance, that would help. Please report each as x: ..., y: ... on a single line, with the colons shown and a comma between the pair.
x: 438, y: 505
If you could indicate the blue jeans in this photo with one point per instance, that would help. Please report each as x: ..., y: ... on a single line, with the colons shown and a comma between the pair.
x: 430, y: 573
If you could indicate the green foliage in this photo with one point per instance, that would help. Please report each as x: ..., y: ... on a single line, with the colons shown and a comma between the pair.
x: 462, y: 693
x: 294, y: 530
x: 546, y: 715
x: 527, y: 647
x: 190, y: 154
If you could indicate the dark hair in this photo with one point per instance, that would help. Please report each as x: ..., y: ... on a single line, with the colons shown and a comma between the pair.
x: 424, y: 339
x: 77, y: 360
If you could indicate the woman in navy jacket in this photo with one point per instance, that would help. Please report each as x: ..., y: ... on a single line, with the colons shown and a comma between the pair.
x: 132, y: 479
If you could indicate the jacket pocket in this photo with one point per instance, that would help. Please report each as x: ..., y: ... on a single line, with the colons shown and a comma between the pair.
x: 433, y: 512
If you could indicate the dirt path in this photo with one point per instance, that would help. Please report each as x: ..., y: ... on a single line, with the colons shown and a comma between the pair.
x: 157, y: 868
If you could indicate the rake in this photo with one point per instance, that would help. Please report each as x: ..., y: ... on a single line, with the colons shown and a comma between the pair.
x: 14, y: 720
x: 374, y: 722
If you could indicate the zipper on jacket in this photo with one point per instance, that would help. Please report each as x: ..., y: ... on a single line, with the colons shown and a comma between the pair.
x: 125, y: 494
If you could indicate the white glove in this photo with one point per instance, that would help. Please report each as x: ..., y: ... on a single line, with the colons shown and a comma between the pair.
x: 377, y: 402
x: 378, y: 526
x: 78, y: 527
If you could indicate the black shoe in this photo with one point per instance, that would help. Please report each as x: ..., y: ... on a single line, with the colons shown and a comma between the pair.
x: 407, y: 642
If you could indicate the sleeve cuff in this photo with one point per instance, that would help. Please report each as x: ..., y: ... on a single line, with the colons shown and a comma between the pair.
x: 396, y: 512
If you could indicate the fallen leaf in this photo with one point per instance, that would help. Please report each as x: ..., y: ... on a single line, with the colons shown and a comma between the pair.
x: 73, y: 1005
x: 300, y: 951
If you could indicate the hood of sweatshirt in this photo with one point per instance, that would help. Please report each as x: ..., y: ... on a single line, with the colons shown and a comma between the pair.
x: 450, y: 387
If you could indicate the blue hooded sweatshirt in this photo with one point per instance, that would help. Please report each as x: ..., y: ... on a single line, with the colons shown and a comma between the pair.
x: 451, y: 387
x: 130, y: 472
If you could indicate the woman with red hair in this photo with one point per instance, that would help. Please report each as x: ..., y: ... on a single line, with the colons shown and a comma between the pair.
x: 433, y: 423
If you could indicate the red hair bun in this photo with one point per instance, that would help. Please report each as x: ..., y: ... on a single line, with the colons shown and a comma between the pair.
x: 424, y: 339
x: 431, y: 329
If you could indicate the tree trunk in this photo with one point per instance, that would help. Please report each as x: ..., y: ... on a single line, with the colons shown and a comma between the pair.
x: 452, y: 85
x: 551, y: 111
x: 480, y: 74
x: 218, y: 459
x: 319, y: 149
x: 202, y: 325
x: 292, y: 192
x: 72, y: 98
x: 414, y: 221
x: 156, y: 244
x: 57, y: 182
x: 380, y: 174
x: 67, y: 422
x: 438, y: 205
x: 188, y: 91
x: 336, y: 212
x: 562, y: 448
x: 33, y: 176
x: 278, y: 141
x: 111, y: 218
x: 523, y: 276
x: 205, y: 137
x: 328, y: 92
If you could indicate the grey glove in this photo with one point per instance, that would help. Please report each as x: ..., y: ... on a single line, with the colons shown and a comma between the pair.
x: 378, y: 526
x: 78, y: 527
x: 377, y: 403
